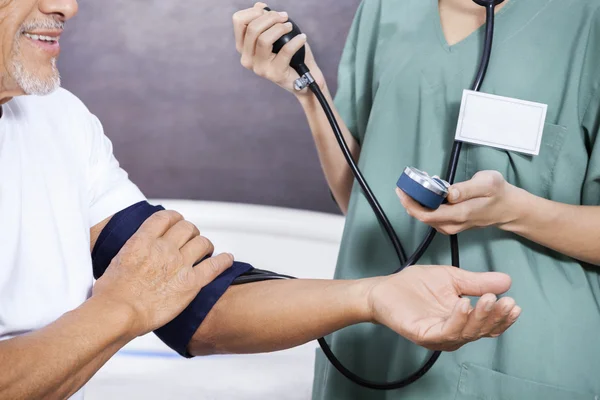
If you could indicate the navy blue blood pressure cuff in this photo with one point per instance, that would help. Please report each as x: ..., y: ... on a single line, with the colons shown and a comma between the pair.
x: 178, y: 333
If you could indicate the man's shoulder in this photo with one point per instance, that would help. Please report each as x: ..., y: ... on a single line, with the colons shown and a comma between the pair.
x: 58, y: 104
x: 60, y: 115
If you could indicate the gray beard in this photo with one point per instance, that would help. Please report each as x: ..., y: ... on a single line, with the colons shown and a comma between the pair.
x: 28, y: 82
x: 32, y: 84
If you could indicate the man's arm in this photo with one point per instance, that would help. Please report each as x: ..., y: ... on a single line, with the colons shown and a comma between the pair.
x: 277, y: 315
x: 148, y: 284
x: 97, y: 230
x: 422, y: 304
x: 74, y: 348
x: 49, y: 363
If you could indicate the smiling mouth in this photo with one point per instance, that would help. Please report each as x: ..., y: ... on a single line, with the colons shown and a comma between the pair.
x: 42, y: 38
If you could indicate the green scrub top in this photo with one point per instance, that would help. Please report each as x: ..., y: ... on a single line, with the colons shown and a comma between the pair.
x: 400, y: 91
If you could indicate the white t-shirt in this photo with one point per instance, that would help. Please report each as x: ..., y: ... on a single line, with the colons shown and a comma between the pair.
x: 58, y: 178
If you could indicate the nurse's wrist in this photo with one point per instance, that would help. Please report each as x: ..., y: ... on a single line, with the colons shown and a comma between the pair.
x: 309, y: 101
x: 517, y: 208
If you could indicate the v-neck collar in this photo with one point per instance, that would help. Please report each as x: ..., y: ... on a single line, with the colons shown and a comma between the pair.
x: 500, y: 15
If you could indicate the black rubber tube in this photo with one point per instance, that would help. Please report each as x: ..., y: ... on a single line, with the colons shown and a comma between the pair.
x: 414, y: 258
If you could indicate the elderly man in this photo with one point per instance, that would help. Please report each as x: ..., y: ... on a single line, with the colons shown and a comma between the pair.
x: 62, y: 194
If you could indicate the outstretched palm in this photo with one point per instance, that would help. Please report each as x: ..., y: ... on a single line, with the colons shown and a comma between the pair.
x: 424, y: 305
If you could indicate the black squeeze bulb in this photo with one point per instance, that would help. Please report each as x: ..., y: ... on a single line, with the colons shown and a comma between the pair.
x: 485, y: 3
x: 297, y: 62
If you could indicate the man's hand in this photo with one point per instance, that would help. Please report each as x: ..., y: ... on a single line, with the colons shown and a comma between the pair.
x: 153, y: 275
x: 424, y: 305
x: 480, y: 202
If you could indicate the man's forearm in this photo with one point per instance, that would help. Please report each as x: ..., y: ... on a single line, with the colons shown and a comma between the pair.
x: 338, y: 174
x: 277, y: 315
x: 56, y: 361
x: 570, y: 230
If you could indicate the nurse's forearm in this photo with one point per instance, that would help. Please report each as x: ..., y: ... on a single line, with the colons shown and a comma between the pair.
x: 277, y: 315
x: 56, y: 361
x: 338, y: 174
x: 570, y: 230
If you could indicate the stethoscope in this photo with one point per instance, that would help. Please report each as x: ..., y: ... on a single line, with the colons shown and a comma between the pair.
x: 429, y: 191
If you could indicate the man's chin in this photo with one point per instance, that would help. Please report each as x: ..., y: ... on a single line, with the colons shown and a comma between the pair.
x: 36, y: 81
x: 39, y: 90
x: 32, y: 85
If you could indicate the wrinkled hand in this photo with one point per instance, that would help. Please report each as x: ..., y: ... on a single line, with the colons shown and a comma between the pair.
x: 424, y: 305
x: 153, y: 275
x: 256, y: 30
x: 477, y: 203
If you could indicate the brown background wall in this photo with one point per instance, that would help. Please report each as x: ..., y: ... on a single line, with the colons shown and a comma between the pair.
x: 187, y: 121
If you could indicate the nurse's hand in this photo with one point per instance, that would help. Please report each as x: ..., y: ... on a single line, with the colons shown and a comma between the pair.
x: 256, y: 30
x: 424, y: 305
x: 480, y: 202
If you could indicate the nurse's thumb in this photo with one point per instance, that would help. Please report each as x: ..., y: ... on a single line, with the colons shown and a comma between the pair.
x: 483, y: 184
x: 469, y: 283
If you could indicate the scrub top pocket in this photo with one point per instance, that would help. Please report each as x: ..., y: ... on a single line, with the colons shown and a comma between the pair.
x: 532, y: 173
x: 478, y: 383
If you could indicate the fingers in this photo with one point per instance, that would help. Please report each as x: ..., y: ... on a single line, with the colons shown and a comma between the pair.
x: 454, y: 215
x: 158, y: 224
x: 254, y: 30
x: 181, y: 233
x: 196, y: 249
x: 477, y: 324
x: 483, y: 184
x: 497, y: 317
x: 416, y: 210
x: 264, y: 47
x: 452, y: 329
x: 503, y: 324
x: 241, y: 19
x: 469, y: 283
x: 208, y: 270
x: 284, y: 58
x: 490, y: 318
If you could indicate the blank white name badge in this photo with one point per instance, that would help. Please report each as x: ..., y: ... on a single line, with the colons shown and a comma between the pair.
x: 501, y: 122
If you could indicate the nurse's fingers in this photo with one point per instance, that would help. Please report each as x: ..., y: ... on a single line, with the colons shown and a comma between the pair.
x: 284, y: 58
x: 483, y: 184
x: 264, y: 48
x: 451, y: 229
x: 419, y: 212
x: 456, y: 215
x: 478, y: 318
x: 241, y: 19
x: 253, y: 32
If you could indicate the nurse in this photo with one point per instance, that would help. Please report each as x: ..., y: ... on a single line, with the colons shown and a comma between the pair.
x: 401, y: 79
